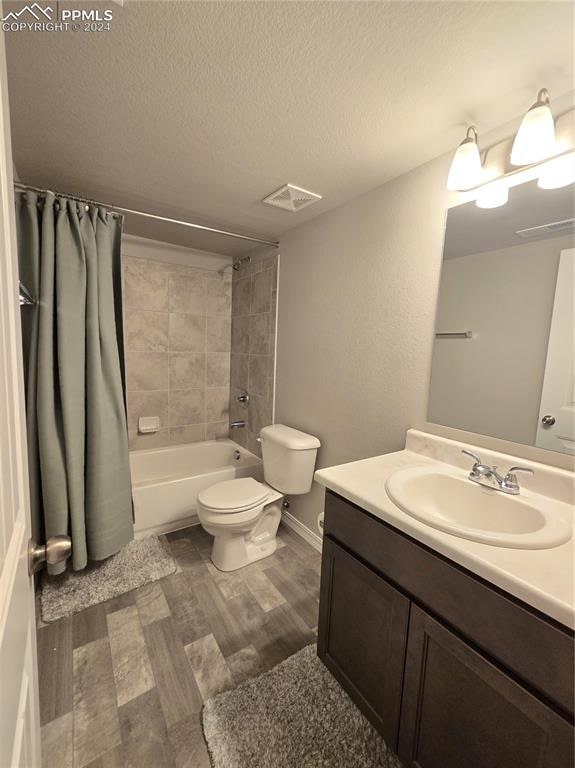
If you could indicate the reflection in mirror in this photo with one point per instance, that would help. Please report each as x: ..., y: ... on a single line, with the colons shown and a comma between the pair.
x: 503, y: 358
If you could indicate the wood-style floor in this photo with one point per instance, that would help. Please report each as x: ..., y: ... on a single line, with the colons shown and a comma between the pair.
x: 123, y: 683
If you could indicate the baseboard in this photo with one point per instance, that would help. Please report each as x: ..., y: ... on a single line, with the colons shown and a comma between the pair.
x: 157, y: 530
x: 302, y: 530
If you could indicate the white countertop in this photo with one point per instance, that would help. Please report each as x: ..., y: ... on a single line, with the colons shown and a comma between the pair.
x: 542, y: 578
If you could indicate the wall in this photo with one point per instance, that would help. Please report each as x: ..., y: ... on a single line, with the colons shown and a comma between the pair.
x: 492, y: 383
x: 177, y: 342
x: 356, y: 316
x: 357, y: 295
x: 254, y: 303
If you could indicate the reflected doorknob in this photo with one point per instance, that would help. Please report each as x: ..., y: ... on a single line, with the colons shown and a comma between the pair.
x: 548, y: 421
x: 56, y: 550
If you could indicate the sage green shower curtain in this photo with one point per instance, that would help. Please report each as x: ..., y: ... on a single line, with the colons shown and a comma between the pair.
x: 69, y: 256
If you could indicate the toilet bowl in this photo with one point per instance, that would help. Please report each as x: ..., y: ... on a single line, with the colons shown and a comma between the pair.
x: 243, y: 515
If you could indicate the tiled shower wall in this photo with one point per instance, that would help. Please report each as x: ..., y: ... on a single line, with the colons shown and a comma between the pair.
x: 254, y: 309
x: 177, y: 342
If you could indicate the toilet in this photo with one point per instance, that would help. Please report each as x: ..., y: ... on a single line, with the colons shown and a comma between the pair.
x: 243, y: 515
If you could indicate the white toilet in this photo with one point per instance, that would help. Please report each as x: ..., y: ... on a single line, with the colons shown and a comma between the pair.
x: 243, y: 515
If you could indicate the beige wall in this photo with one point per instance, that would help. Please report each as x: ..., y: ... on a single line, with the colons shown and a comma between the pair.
x: 254, y: 302
x: 492, y: 383
x: 357, y: 296
x: 177, y: 338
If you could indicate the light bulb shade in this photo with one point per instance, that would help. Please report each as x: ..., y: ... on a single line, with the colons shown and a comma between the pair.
x: 535, y: 139
x: 557, y: 173
x: 492, y: 195
x: 465, y: 170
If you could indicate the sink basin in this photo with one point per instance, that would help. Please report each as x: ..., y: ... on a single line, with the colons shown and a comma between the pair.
x: 449, y: 501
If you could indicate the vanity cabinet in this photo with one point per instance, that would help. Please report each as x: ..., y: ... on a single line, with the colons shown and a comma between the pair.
x: 365, y: 634
x: 460, y: 709
x: 451, y: 671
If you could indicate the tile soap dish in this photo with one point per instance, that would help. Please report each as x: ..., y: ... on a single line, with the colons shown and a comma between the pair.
x: 148, y: 424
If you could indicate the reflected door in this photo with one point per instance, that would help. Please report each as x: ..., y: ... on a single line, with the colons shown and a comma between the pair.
x: 556, y: 428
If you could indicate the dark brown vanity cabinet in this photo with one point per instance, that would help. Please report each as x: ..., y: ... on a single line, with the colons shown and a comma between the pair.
x: 451, y: 671
x: 365, y: 633
x: 460, y: 709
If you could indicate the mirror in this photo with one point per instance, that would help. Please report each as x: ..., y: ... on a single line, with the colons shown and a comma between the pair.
x: 505, y: 328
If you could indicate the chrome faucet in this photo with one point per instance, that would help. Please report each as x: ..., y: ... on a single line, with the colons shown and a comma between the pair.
x: 489, y: 476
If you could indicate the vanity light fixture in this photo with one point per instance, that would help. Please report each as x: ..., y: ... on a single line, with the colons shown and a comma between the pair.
x: 535, y: 139
x: 557, y: 173
x: 534, y: 147
x: 465, y: 170
x: 492, y: 195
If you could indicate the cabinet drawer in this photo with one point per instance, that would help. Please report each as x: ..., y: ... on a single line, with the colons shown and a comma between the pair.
x: 534, y: 648
x: 460, y: 710
x: 362, y: 636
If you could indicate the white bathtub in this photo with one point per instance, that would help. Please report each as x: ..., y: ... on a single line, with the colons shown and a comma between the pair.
x: 166, y: 481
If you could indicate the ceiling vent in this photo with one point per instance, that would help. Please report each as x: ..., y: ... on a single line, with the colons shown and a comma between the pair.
x: 291, y: 198
x: 566, y: 225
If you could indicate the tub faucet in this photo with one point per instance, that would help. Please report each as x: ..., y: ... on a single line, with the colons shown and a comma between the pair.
x: 234, y: 424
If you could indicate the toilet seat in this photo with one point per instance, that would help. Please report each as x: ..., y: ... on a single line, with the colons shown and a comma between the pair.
x: 233, y: 496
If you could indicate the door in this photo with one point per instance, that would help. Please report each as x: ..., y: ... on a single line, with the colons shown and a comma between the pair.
x: 459, y: 709
x: 556, y: 427
x: 362, y: 636
x: 19, y: 716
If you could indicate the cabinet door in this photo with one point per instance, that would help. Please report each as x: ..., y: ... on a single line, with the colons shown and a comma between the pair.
x: 460, y: 710
x: 362, y: 636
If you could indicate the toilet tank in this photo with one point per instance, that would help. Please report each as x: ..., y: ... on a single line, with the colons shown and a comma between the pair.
x: 288, y: 458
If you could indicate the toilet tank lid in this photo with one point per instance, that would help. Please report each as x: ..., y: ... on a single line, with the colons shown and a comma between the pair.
x: 289, y: 438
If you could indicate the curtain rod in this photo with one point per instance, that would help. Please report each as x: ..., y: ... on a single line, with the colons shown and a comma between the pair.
x: 121, y: 209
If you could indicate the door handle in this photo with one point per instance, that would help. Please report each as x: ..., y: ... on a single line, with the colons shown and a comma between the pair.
x: 56, y: 550
x: 548, y: 421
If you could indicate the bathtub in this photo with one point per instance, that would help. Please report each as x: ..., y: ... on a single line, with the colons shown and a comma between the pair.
x: 166, y: 481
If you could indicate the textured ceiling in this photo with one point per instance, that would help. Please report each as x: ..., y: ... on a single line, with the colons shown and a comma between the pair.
x: 195, y: 109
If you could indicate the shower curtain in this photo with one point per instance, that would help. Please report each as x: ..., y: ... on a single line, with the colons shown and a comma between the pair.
x: 69, y: 256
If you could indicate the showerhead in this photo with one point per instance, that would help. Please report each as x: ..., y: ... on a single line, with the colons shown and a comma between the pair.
x: 238, y: 262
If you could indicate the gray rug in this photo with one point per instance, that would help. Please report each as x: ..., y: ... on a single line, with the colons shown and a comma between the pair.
x: 138, y: 563
x: 294, y: 716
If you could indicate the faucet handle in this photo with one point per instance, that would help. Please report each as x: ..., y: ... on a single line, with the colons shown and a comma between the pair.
x: 473, y: 456
x: 510, y: 479
x: 243, y: 398
x: 478, y: 468
x: 510, y: 476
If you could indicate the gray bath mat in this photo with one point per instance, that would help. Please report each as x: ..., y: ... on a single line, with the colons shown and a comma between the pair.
x: 294, y: 716
x: 138, y: 563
